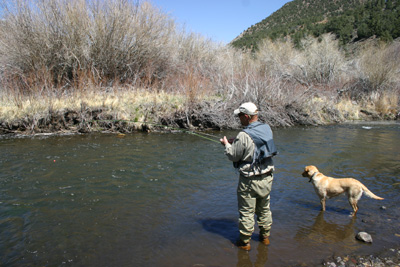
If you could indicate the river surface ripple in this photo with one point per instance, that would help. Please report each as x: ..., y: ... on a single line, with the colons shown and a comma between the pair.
x: 170, y: 199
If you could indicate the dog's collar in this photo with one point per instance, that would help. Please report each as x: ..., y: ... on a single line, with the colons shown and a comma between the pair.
x: 312, y: 177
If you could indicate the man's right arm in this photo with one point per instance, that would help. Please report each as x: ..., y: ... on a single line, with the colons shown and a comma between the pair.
x: 235, y: 150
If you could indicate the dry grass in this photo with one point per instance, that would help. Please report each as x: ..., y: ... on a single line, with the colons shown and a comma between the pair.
x: 350, y: 109
x: 123, y: 103
x: 388, y: 102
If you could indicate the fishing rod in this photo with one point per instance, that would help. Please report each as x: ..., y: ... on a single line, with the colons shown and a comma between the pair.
x: 202, y: 135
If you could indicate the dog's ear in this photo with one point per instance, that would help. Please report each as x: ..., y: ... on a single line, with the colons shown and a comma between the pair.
x: 313, y: 168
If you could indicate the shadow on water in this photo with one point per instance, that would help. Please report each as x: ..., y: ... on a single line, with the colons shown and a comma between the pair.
x: 227, y: 228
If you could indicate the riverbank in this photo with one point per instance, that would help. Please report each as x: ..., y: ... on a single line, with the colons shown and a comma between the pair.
x: 99, y: 120
x: 387, y: 258
x: 127, y: 111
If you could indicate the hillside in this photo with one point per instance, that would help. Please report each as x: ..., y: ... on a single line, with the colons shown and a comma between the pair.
x: 350, y: 20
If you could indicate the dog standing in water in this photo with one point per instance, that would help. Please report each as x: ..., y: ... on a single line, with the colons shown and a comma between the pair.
x: 328, y: 187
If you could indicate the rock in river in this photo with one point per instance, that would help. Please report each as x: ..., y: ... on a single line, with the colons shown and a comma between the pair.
x: 365, y: 237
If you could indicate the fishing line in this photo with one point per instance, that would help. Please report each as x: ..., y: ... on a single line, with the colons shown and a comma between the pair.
x: 202, y: 135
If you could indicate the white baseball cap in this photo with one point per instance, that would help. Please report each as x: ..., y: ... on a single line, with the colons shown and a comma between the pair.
x: 247, y: 108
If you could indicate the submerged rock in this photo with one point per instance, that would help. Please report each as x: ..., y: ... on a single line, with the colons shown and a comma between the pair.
x: 365, y: 237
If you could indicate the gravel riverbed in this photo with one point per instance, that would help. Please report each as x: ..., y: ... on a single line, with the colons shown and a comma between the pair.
x: 388, y: 258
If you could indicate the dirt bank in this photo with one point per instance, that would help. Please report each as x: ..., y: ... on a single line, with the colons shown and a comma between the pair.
x: 99, y: 120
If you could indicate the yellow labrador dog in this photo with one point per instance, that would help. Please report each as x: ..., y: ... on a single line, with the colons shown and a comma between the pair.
x: 328, y: 187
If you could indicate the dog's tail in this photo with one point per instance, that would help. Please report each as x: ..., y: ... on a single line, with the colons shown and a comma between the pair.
x: 368, y: 193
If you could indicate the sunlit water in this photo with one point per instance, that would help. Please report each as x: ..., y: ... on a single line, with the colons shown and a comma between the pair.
x: 170, y: 199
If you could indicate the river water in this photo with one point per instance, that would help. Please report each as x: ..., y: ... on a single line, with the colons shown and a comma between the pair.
x: 169, y: 199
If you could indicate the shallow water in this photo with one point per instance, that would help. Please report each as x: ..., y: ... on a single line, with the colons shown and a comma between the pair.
x: 170, y: 199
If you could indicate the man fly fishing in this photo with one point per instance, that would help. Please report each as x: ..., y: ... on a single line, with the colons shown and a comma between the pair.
x: 251, y: 153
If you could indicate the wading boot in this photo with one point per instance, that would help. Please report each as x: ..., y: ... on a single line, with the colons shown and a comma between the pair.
x: 242, y: 245
x: 264, y: 239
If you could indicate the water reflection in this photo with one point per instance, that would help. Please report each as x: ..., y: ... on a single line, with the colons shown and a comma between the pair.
x: 245, y: 259
x: 316, y: 206
x: 323, y: 232
x: 228, y: 229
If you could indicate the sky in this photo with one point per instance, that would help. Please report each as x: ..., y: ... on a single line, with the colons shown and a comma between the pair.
x: 220, y: 20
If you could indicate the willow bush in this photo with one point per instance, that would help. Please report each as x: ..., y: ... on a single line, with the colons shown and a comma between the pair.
x: 380, y: 65
x: 55, y: 43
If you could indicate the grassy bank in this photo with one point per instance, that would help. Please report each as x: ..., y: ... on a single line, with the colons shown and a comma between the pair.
x: 121, y: 66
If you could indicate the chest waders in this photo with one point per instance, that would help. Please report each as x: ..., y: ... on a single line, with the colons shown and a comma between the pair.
x: 254, y: 193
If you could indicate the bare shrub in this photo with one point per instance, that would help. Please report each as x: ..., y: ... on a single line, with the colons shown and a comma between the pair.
x: 112, y: 40
x: 319, y: 66
x: 271, y: 79
x: 275, y: 58
x: 320, y: 61
x: 197, y: 51
x: 194, y: 86
x: 193, y: 53
x: 281, y: 103
x: 375, y: 83
x: 380, y: 65
x: 57, y: 43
